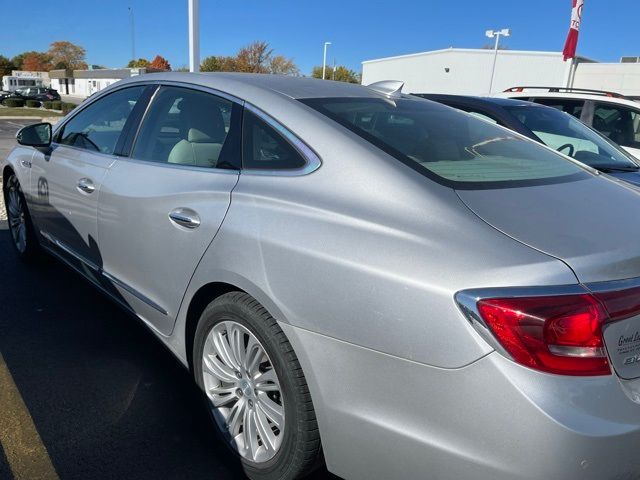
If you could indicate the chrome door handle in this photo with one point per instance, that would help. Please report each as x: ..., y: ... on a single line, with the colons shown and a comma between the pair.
x: 86, y: 185
x: 185, y: 217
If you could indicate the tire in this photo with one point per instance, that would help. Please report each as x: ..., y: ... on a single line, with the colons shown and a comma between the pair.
x: 23, y: 235
x: 297, y: 450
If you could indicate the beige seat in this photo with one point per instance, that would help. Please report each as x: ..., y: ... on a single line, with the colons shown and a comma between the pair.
x: 198, y: 150
x: 203, y: 134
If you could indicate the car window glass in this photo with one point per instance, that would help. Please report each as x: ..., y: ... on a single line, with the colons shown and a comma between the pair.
x: 447, y: 145
x: 483, y: 116
x: 572, y: 107
x: 264, y: 148
x: 564, y: 133
x: 184, y: 127
x: 619, y: 123
x: 98, y: 126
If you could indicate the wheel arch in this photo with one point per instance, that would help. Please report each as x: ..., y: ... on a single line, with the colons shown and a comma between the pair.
x: 203, y: 297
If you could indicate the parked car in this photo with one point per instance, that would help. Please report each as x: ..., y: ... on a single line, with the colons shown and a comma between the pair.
x: 552, y: 127
x: 614, y: 115
x: 4, y: 94
x: 42, y: 94
x: 353, y: 274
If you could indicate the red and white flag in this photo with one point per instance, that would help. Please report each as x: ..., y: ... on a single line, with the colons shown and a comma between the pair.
x: 572, y: 39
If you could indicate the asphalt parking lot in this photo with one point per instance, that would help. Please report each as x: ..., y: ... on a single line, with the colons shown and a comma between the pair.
x: 88, y: 388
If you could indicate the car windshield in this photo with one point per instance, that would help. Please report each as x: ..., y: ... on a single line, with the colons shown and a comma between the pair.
x: 454, y: 148
x: 564, y: 133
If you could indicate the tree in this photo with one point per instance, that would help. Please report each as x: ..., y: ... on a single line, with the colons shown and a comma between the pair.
x: 160, y: 63
x: 19, y: 59
x: 256, y: 57
x: 36, y: 62
x: 342, y: 74
x: 67, y: 55
x: 139, y: 63
x: 6, y: 66
x: 283, y: 66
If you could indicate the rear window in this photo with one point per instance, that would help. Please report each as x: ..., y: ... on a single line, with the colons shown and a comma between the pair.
x: 449, y: 146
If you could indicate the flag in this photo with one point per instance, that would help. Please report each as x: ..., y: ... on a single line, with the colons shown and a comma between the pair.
x: 572, y: 39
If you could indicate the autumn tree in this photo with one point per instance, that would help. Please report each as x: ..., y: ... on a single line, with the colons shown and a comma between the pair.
x: 6, y: 66
x: 341, y: 74
x: 18, y: 60
x: 67, y: 55
x: 257, y: 57
x: 160, y: 63
x: 36, y: 62
x: 139, y: 63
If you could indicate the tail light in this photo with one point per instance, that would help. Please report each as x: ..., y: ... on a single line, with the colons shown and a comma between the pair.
x: 556, y: 334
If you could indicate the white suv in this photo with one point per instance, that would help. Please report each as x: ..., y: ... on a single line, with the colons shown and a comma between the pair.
x: 614, y: 115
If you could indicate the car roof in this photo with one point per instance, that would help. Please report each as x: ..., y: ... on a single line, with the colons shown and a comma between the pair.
x: 576, y: 96
x: 290, y: 86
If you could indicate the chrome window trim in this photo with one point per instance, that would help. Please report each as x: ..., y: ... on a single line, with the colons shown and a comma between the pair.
x: 160, y: 84
x: 467, y: 302
x: 312, y: 159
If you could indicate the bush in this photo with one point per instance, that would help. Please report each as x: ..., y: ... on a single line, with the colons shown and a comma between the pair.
x: 33, y: 104
x: 67, y: 107
x: 47, y: 105
x: 13, y: 102
x: 57, y: 105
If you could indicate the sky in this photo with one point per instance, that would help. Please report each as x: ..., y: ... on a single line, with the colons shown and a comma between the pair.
x: 359, y: 30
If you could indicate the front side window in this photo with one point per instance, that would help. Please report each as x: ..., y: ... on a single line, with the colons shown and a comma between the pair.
x: 449, y: 146
x: 571, y: 137
x: 263, y: 148
x: 619, y: 123
x: 98, y: 126
x: 188, y: 127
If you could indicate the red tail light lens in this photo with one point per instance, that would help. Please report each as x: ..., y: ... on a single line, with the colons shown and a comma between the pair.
x: 556, y: 334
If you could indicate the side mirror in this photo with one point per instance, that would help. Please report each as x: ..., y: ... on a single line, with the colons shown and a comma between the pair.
x: 37, y: 135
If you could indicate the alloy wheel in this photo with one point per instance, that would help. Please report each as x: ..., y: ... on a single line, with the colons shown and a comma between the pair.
x: 244, y: 391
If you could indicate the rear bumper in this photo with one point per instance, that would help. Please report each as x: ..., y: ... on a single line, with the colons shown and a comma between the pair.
x: 384, y: 417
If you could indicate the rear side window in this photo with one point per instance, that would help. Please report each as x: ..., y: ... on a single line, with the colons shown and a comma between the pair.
x: 572, y: 107
x: 264, y: 148
x: 619, y: 123
x: 186, y: 127
x: 98, y: 126
x: 447, y: 145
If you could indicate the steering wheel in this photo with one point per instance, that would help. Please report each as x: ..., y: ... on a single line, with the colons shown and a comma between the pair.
x: 569, y: 146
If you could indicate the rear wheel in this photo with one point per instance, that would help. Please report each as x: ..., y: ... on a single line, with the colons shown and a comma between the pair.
x: 255, y: 389
x: 22, y: 232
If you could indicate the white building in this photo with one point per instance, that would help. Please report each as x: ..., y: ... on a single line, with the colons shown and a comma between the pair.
x: 82, y: 83
x: 24, y: 78
x: 468, y: 72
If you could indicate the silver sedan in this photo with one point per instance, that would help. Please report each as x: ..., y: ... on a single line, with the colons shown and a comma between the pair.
x: 352, y: 275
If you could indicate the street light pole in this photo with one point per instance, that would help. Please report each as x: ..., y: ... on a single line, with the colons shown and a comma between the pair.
x: 194, y: 35
x: 505, y: 32
x: 133, y: 33
x: 324, y: 60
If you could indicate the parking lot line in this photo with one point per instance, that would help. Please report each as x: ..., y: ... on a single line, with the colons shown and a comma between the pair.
x: 27, y: 456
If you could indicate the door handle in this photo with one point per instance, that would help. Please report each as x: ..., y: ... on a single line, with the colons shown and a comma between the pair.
x: 86, y: 185
x: 185, y: 217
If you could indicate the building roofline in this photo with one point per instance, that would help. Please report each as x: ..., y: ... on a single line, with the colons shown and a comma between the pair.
x: 475, y: 50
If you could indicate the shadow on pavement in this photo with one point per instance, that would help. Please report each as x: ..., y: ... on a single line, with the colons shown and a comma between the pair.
x: 108, y: 400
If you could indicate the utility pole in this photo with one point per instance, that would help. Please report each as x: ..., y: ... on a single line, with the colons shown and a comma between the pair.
x: 194, y: 35
x: 132, y: 24
x: 324, y: 60
x: 333, y: 72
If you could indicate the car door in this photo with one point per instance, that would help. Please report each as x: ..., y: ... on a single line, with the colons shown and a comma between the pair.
x: 161, y: 207
x: 65, y: 183
x: 619, y: 123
